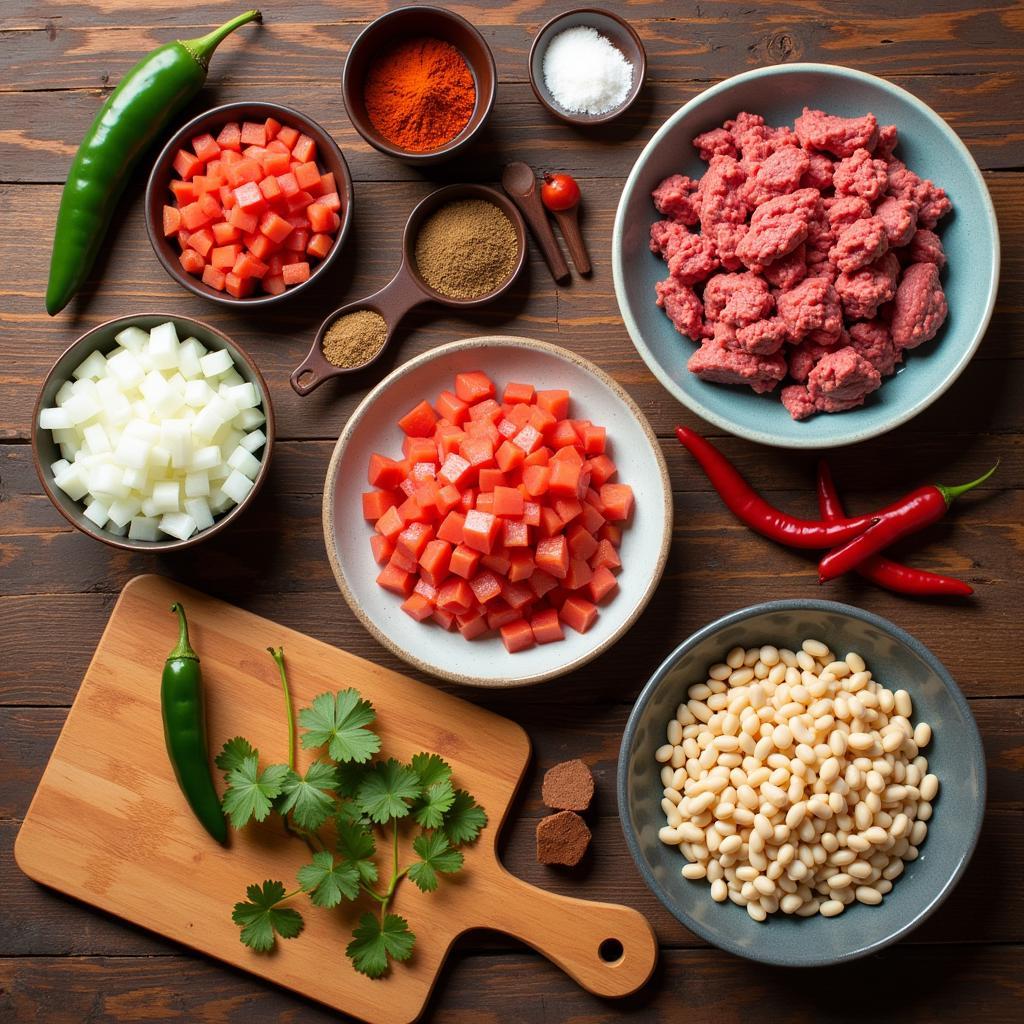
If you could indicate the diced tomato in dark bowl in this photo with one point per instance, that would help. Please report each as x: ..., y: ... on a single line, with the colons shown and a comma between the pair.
x: 476, y: 491
x: 248, y: 203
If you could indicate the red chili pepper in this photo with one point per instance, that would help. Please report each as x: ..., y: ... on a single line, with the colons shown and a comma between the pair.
x: 894, y: 576
x: 750, y: 508
x: 917, y: 510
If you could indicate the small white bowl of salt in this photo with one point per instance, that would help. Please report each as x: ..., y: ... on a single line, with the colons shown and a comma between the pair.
x: 587, y: 66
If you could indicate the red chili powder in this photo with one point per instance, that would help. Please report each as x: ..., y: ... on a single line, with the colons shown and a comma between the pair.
x: 419, y: 94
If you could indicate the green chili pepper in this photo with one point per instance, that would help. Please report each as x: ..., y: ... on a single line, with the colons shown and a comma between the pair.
x: 181, y: 697
x: 134, y: 114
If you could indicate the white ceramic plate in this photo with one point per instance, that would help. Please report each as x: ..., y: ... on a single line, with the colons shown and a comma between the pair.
x: 373, y: 428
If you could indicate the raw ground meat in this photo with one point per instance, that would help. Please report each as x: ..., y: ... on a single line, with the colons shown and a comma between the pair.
x: 674, y: 198
x: 920, y: 308
x: 839, y: 135
x: 842, y: 380
x: 715, y: 362
x: 863, y: 291
x: 693, y: 259
x: 900, y: 219
x: 859, y: 244
x: 860, y: 175
x: 811, y: 306
x: 737, y: 299
x: 873, y: 340
x: 683, y: 307
x: 926, y: 247
x: 813, y: 257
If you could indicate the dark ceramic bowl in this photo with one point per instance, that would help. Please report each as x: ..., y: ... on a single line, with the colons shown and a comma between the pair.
x: 619, y: 33
x: 406, y: 22
x: 101, y: 338
x: 329, y: 158
x: 955, y: 755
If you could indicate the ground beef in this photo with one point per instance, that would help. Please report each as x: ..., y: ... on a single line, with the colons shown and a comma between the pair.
x: 859, y: 244
x: 920, y: 307
x: 674, y: 198
x: 693, y: 259
x: 682, y: 306
x: 811, y: 306
x: 872, y: 339
x: 860, y: 175
x: 900, y: 219
x: 839, y: 135
x: 813, y: 257
x: 713, y: 361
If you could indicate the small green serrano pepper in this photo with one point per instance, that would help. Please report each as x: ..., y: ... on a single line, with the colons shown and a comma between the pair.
x: 181, y: 698
x: 134, y: 114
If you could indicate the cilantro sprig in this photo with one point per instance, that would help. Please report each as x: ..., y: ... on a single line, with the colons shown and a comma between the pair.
x: 348, y: 808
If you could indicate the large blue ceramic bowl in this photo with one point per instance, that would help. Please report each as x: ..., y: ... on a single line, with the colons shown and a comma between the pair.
x: 955, y: 755
x: 928, y: 146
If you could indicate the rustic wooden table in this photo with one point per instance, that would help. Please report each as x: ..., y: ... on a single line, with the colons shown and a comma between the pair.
x: 60, y: 961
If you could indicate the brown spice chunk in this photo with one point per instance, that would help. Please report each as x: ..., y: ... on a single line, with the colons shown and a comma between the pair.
x: 562, y: 838
x: 467, y: 249
x: 568, y: 786
x: 355, y: 338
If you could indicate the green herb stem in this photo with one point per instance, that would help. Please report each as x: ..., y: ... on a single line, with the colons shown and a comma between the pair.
x: 277, y: 653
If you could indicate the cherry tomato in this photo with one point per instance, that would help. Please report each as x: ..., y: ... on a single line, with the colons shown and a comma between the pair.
x: 559, y: 192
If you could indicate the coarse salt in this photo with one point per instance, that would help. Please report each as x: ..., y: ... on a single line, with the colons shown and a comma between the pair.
x: 585, y: 73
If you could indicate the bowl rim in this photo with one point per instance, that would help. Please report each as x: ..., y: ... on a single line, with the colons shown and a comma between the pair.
x: 510, y: 681
x: 851, y: 435
x: 164, y: 158
x: 639, y: 68
x: 973, y: 737
x: 156, y: 547
x: 484, y: 103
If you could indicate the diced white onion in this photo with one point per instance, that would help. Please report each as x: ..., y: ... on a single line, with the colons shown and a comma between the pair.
x: 157, y: 436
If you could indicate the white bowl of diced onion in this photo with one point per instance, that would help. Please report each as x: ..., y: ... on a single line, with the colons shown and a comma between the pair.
x: 152, y: 432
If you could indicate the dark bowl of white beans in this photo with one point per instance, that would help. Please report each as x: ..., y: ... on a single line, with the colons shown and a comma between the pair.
x: 801, y: 783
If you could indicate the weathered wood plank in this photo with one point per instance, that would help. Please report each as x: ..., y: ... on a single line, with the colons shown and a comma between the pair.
x: 584, y: 316
x: 688, y: 984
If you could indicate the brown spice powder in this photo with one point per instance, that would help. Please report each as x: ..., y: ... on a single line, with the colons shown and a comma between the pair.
x: 355, y: 338
x: 466, y: 249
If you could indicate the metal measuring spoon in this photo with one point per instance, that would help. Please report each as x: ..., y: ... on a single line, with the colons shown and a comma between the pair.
x: 407, y: 289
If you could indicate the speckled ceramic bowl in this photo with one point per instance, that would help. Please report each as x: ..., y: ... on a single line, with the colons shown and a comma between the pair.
x: 929, y: 147
x: 955, y: 755
x: 373, y: 428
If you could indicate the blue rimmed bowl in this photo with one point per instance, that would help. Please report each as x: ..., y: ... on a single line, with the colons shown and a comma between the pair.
x: 926, y: 144
x: 955, y: 755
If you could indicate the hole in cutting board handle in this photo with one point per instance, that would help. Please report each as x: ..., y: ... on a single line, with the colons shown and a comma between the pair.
x: 610, y: 951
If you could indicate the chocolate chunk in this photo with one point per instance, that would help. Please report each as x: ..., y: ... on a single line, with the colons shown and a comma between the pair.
x: 568, y: 786
x: 562, y: 838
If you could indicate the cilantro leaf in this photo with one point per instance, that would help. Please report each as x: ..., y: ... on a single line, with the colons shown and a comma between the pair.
x: 386, y: 790
x: 336, y: 721
x: 436, y: 854
x: 373, y: 941
x: 432, y: 769
x: 234, y: 752
x: 261, y: 917
x: 356, y: 844
x: 250, y: 791
x: 464, y: 819
x: 306, y: 796
x: 348, y: 811
x: 328, y: 882
x: 350, y: 775
x: 430, y: 808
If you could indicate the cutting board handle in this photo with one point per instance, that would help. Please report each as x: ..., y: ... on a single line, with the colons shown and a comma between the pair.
x: 608, y: 949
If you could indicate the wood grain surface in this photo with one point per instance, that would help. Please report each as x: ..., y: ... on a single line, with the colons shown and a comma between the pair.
x: 61, y: 961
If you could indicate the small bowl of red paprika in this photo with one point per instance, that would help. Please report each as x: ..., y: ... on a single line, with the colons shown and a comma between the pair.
x: 419, y: 84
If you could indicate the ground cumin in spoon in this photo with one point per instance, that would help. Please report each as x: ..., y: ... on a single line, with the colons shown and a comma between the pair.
x: 467, y: 249
x: 355, y: 338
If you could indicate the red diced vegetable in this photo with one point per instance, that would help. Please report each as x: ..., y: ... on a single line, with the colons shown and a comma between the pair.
x: 376, y: 503
x: 473, y: 387
x: 419, y: 421
x: 480, y: 530
x: 617, y: 500
x: 214, y: 277
x: 518, y: 393
x: 253, y: 134
x: 382, y: 548
x: 230, y: 137
x: 546, y: 626
x: 555, y: 402
x: 396, y: 580
x: 578, y: 613
x: 296, y: 273
x: 304, y: 149
x: 517, y: 636
x: 552, y: 555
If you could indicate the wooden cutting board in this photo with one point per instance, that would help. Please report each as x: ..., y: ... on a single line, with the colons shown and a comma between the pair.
x: 109, y: 826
